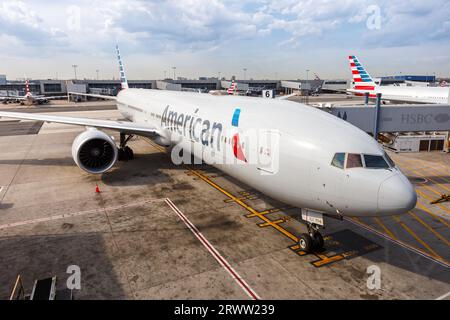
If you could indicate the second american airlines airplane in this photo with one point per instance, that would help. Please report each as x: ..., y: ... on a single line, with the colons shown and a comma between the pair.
x: 363, y: 83
x: 319, y: 162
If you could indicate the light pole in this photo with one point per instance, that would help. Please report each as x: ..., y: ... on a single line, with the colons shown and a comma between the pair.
x: 174, y: 68
x: 75, y: 66
x: 219, y: 75
x: 165, y: 75
x: 245, y: 73
x: 97, y: 73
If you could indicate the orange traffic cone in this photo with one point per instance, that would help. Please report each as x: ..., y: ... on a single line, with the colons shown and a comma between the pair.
x: 97, y: 189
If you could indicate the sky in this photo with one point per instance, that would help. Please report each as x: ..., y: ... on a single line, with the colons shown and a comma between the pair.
x: 278, y: 39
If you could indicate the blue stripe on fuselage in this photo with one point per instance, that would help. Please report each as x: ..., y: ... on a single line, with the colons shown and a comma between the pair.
x: 235, y: 120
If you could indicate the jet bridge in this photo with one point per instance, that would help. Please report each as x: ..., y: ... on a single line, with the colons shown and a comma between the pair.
x: 400, y: 119
x: 396, y: 118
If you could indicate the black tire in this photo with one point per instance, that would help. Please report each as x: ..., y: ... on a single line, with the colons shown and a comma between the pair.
x: 305, y: 242
x: 129, y: 154
x: 121, y: 155
x: 318, y: 241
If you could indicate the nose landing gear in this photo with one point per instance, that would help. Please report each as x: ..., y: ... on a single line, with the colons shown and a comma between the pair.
x: 313, y: 240
x: 125, y: 152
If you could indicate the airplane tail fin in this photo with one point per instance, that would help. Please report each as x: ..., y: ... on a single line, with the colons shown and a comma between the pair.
x: 27, y: 88
x: 361, y: 79
x: 232, y: 88
x: 123, y: 78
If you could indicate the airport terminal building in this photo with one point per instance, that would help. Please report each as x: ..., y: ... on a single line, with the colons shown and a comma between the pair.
x: 51, y: 87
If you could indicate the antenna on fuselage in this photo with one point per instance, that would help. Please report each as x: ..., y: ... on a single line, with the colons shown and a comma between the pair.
x: 123, y: 78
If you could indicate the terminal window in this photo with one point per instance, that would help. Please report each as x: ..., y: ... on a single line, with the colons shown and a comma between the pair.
x: 52, y: 87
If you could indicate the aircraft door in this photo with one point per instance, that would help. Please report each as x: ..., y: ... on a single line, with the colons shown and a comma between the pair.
x: 268, y: 151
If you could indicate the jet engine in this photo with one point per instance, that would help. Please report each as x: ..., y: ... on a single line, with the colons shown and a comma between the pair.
x: 94, y: 151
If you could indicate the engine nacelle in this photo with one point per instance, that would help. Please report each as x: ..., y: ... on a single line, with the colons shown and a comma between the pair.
x: 94, y: 151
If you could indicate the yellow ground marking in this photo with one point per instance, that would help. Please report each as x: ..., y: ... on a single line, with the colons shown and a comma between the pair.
x: 426, y: 165
x: 357, y: 221
x: 429, y: 228
x: 246, y: 206
x: 429, y: 168
x: 273, y: 210
x: 423, y: 243
x: 430, y: 199
x: 424, y: 185
x: 383, y: 226
x: 326, y: 260
x: 265, y: 224
x: 251, y: 215
x: 239, y: 201
x: 421, y: 206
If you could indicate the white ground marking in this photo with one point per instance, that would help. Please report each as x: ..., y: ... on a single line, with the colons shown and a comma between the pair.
x: 444, y: 296
x: 221, y: 260
x: 73, y: 214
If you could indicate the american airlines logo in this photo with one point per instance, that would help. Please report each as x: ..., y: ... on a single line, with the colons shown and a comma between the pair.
x: 218, y: 143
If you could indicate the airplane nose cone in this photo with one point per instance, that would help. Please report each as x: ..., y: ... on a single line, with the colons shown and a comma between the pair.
x: 396, y: 196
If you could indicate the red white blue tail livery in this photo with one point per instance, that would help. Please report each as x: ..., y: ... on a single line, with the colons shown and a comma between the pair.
x: 361, y: 78
x: 232, y: 88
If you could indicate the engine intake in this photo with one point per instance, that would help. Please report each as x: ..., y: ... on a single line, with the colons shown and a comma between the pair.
x: 94, y: 151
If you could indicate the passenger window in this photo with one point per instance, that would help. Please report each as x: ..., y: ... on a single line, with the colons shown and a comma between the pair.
x: 338, y: 160
x: 375, y: 162
x: 354, y: 161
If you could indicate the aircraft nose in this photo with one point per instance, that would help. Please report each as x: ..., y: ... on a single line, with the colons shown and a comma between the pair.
x: 396, y: 196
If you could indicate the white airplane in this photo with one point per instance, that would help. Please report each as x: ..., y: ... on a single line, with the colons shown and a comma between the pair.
x: 307, y: 158
x: 363, y: 82
x: 30, y: 99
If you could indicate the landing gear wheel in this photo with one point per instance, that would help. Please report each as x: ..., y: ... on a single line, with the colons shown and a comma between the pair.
x: 129, y: 154
x: 318, y: 241
x: 125, y: 152
x: 305, y: 242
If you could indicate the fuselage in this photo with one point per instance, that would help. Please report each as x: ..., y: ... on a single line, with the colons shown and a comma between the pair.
x: 294, y: 149
x: 432, y: 95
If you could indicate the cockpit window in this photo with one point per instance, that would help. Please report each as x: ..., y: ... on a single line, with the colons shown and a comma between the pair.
x: 389, y: 160
x: 375, y: 162
x: 354, y: 161
x: 339, y: 160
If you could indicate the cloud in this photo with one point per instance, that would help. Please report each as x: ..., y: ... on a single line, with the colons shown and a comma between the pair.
x: 406, y: 23
x: 219, y: 33
x: 192, y: 25
x: 26, y: 26
x: 179, y: 25
x: 403, y: 23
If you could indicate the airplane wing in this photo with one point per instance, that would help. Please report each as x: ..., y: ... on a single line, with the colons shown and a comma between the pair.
x: 285, y: 97
x: 51, y: 98
x: 11, y: 98
x: 92, y: 95
x: 120, y: 126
